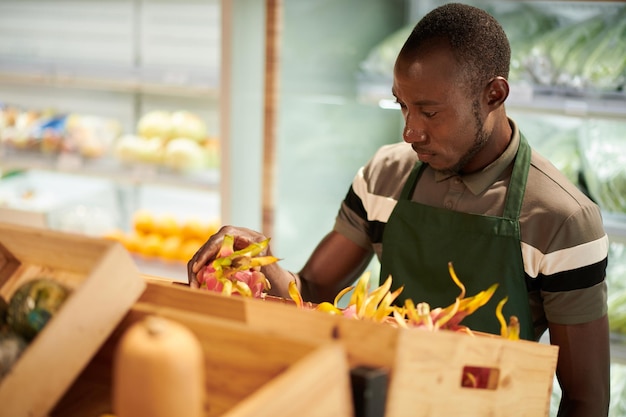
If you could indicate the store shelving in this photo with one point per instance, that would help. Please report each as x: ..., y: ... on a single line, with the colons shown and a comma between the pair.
x: 177, y: 82
x: 110, y: 168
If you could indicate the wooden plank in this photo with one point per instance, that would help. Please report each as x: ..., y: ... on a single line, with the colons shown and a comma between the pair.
x: 246, y: 370
x: 428, y: 372
x: 425, y: 368
x: 104, y: 282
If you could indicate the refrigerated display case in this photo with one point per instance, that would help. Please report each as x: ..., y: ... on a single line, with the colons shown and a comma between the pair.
x: 118, y: 64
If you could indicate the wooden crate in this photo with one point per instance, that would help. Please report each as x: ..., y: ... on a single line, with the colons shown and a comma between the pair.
x: 105, y: 283
x: 426, y: 368
x: 249, y: 372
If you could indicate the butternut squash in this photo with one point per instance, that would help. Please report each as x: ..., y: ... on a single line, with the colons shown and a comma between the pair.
x: 158, y: 371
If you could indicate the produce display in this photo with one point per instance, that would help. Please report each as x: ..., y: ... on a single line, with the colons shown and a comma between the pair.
x: 547, y: 49
x: 581, y: 55
x: 52, y: 132
x: 616, y: 283
x: 603, y: 150
x: 30, y: 308
x: 175, y: 140
x: 164, y: 236
x: 239, y: 273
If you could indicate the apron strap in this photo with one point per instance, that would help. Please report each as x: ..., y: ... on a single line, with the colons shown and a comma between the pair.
x: 517, y: 184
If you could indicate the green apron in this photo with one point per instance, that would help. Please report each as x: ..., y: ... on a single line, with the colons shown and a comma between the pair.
x: 420, y: 240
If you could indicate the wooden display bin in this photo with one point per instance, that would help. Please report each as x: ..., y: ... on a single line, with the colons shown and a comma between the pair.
x: 426, y: 369
x: 104, y: 282
x: 249, y: 372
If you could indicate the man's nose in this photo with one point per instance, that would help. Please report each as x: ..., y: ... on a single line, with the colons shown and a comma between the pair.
x: 413, y: 135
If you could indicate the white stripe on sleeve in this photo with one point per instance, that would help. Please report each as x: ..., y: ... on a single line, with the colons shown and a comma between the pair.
x: 378, y: 208
x: 568, y: 259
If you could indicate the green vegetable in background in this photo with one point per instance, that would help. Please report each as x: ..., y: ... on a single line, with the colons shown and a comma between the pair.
x: 605, y: 65
x: 551, y: 50
x: 603, y: 150
x: 523, y: 25
x: 561, y: 148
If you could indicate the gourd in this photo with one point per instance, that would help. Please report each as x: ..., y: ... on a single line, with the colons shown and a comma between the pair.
x: 158, y: 371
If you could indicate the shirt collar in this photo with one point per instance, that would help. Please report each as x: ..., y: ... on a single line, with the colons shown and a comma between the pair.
x: 478, y: 182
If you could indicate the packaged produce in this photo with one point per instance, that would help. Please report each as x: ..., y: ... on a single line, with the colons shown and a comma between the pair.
x: 550, y: 52
x: 603, y: 150
x: 52, y: 132
x: 604, y: 68
x: 523, y: 25
x: 177, y: 141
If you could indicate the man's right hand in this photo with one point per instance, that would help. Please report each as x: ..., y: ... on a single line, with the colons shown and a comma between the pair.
x: 209, y: 250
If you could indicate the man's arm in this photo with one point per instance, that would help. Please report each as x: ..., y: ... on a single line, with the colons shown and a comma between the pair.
x: 583, y: 369
x: 335, y: 264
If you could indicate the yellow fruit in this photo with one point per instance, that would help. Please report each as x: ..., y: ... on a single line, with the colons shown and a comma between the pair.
x: 195, y: 229
x: 167, y: 226
x: 151, y: 244
x: 144, y: 221
x: 188, y: 248
x: 133, y: 242
x: 170, y: 247
x: 191, y: 229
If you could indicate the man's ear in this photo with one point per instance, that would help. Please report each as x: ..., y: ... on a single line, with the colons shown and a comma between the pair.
x: 497, y: 91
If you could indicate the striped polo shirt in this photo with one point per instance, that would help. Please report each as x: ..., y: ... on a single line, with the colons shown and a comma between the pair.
x: 563, y: 243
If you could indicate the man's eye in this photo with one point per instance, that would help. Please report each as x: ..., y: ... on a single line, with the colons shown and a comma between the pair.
x: 429, y: 114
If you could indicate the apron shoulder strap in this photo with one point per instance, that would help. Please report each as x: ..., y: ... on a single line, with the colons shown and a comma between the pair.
x: 411, y: 182
x: 519, y: 178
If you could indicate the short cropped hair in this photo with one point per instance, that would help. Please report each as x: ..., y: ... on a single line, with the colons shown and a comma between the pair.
x: 476, y: 39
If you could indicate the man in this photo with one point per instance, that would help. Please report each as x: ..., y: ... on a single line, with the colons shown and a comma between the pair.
x: 466, y: 188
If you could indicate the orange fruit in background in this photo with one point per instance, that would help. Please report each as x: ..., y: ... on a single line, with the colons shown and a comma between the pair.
x: 144, y: 221
x: 133, y: 241
x: 191, y: 229
x: 150, y: 244
x: 196, y: 229
x: 167, y: 226
x: 170, y: 247
x: 188, y: 248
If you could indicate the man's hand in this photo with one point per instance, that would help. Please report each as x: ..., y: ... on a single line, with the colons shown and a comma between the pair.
x: 209, y: 250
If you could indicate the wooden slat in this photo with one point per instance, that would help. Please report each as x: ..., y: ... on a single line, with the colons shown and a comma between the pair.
x: 425, y: 368
x: 249, y: 372
x: 273, y: 30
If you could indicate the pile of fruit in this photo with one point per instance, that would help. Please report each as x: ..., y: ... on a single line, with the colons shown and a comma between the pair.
x: 54, y: 132
x: 177, y: 140
x: 164, y: 236
x: 27, y: 312
x: 377, y: 305
x: 239, y: 272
